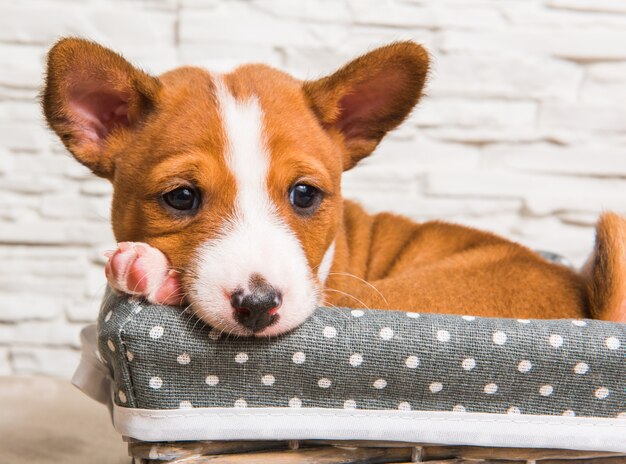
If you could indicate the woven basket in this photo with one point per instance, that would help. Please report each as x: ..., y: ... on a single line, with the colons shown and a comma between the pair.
x: 335, y: 452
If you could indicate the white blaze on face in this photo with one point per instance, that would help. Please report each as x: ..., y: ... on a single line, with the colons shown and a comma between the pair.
x: 256, y: 240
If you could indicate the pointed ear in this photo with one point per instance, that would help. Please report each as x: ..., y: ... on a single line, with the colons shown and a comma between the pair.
x: 369, y: 96
x: 91, y: 95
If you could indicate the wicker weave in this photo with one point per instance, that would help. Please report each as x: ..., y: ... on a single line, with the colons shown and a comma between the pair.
x: 331, y: 452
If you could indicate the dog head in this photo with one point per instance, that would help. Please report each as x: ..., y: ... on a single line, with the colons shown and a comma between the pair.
x: 235, y: 177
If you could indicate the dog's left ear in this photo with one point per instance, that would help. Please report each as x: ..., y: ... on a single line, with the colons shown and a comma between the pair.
x: 369, y: 96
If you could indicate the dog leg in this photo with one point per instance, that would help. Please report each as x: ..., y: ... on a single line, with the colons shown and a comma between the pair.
x: 605, y: 270
x: 141, y: 270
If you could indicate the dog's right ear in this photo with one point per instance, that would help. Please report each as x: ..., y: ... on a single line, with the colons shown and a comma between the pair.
x: 91, y: 96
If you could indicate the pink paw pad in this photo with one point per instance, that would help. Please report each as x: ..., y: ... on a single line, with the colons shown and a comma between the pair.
x: 141, y: 270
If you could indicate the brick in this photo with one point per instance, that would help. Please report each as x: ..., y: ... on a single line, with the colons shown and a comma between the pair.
x: 68, y: 206
x: 25, y: 306
x: 575, y: 43
x: 56, y: 333
x: 22, y: 65
x: 522, y: 77
x: 582, y: 117
x: 307, y: 10
x: 547, y: 191
x: 591, y: 6
x: 432, y: 15
x: 474, y: 113
x: 606, y: 72
x: 601, y: 161
x: 253, y: 27
x: 57, y: 362
x: 96, y: 188
x: 224, y: 57
x: 55, y: 232
x: 29, y: 184
x: 5, y: 362
x: 42, y: 24
x: 83, y: 310
x: 608, y: 93
x: 534, y: 15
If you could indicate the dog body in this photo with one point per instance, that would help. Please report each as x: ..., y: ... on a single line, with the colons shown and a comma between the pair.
x: 227, y: 196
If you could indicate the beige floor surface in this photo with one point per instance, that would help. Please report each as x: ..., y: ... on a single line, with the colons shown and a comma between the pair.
x: 45, y: 420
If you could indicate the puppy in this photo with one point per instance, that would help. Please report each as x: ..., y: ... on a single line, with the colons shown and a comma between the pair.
x: 227, y: 197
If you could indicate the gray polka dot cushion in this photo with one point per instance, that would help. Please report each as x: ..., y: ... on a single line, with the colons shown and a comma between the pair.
x: 362, y: 375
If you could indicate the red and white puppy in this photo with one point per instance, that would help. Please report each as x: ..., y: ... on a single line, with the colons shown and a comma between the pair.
x: 227, y: 197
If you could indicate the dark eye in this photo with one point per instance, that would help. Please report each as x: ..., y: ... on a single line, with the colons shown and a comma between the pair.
x: 304, y: 198
x: 182, y: 199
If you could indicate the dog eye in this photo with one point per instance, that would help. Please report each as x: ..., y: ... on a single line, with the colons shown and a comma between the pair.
x: 304, y: 198
x: 182, y: 199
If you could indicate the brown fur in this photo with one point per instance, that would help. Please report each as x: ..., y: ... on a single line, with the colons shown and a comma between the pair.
x: 156, y: 134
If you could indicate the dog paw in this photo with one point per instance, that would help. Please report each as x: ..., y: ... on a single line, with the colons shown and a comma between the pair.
x: 141, y: 270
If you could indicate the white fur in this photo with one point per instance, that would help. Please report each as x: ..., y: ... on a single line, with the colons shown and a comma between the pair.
x: 327, y: 261
x: 255, y: 240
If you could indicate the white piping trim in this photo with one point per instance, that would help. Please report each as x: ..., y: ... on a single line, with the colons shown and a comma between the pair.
x: 446, y: 428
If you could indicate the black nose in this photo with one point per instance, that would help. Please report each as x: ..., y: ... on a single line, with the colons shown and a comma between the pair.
x: 257, y: 309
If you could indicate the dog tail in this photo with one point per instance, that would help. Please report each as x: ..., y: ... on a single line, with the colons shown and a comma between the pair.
x: 605, y: 270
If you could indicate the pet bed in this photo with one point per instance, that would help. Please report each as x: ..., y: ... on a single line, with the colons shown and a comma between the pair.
x: 359, y: 386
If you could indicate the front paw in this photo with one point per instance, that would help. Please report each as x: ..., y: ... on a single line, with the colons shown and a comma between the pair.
x: 142, y: 270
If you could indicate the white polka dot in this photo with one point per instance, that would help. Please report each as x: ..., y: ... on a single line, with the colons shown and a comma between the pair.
x: 499, y: 338
x: 185, y: 405
x: 111, y: 345
x: 612, y: 343
x: 183, y: 359
x: 349, y: 404
x: 556, y: 340
x: 546, y: 390
x: 330, y: 332
x: 130, y: 356
x: 122, y: 396
x: 490, y: 388
x: 386, y: 333
x: 295, y: 402
x: 412, y: 362
x: 523, y: 321
x: 215, y: 334
x: 156, y: 383
x: 380, y: 384
x: 356, y: 359
x: 357, y: 313
x: 241, y: 358
x: 156, y: 332
x: 469, y: 319
x: 107, y: 318
x: 212, y: 380
x: 524, y: 366
x: 404, y: 406
x: 324, y: 383
x: 578, y: 323
x: 443, y: 335
x: 581, y: 368
x: 299, y: 357
x: 435, y: 387
x: 602, y: 393
x: 413, y: 315
x: 268, y: 380
x: 459, y: 408
x: 241, y: 403
x: 569, y: 413
x: 468, y: 364
x: 513, y: 410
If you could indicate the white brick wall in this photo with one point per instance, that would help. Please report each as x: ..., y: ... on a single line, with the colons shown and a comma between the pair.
x: 523, y: 131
